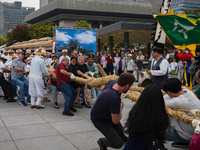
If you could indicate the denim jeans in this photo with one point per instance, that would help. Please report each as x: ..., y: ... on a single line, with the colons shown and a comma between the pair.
x: 70, y: 93
x: 23, y: 85
x: 116, y: 72
x: 172, y: 135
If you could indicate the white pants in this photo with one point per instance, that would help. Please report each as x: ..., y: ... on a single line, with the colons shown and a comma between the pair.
x: 36, y: 90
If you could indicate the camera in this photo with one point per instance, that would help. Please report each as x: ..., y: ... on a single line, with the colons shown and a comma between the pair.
x: 197, y: 57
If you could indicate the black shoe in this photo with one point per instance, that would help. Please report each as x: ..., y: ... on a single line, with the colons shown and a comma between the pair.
x: 83, y: 103
x: 180, y: 144
x: 99, y: 142
x: 136, y: 81
x: 10, y: 101
x: 68, y: 113
x: 73, y: 109
x: 56, y: 105
x: 5, y: 98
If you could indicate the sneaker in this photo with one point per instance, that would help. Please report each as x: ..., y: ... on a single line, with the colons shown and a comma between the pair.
x: 77, y: 105
x: 180, y: 144
x: 45, y: 99
x: 73, y: 109
x: 88, y: 105
x: 25, y: 98
x: 83, y: 103
x: 40, y: 106
x: 99, y: 142
x: 33, y: 106
x: 22, y: 103
x: 56, y: 105
x: 60, y: 93
x: 16, y: 98
x: 28, y: 103
x: 80, y: 98
x: 67, y: 113
x: 10, y: 100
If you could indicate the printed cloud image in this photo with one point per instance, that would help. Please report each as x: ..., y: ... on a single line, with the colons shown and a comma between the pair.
x: 71, y: 39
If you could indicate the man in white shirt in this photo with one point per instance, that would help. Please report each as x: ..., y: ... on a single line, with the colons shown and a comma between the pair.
x: 159, y: 67
x: 173, y: 65
x: 64, y: 51
x: 5, y: 85
x: 36, y: 83
x: 181, y: 98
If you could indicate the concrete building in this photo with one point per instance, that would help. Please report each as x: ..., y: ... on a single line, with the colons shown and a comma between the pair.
x: 98, y: 13
x: 12, y: 14
x: 179, y: 6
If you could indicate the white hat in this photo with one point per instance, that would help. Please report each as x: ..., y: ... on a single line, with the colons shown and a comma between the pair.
x: 64, y: 50
x: 19, y: 51
x: 28, y: 51
x: 40, y: 51
x: 129, y: 55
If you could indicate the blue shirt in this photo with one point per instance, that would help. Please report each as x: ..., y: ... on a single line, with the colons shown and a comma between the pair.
x: 107, y: 102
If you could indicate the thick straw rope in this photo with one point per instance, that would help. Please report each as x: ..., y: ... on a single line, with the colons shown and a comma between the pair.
x: 101, y: 70
x: 175, y: 113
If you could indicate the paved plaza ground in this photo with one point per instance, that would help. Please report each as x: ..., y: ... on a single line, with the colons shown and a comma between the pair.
x: 23, y: 128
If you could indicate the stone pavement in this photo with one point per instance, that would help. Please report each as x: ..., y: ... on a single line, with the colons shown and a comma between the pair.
x: 23, y: 128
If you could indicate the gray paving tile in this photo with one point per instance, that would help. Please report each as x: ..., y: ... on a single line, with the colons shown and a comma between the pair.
x: 8, y: 145
x: 86, y: 140
x: 22, y: 120
x: 4, y: 135
x: 16, y: 111
x: 73, y: 126
x: 31, y: 131
x: 45, y: 143
x: 58, y: 117
x: 1, y: 124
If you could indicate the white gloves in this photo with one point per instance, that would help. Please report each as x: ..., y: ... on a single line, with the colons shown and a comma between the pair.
x: 26, y: 70
x: 72, y: 76
x: 91, y: 73
x: 197, y: 129
x: 194, y: 111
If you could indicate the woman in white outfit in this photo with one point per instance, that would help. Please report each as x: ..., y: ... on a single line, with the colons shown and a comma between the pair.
x: 117, y: 58
x: 130, y: 64
x: 36, y: 83
x: 180, y: 70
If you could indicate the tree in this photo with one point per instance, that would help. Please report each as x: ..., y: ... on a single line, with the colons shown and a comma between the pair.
x: 72, y: 45
x: 82, y: 25
x: 193, y: 12
x: 19, y: 33
x: 2, y: 40
x: 39, y: 30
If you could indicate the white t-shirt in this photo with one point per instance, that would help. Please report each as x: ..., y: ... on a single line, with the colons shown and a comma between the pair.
x: 1, y: 66
x: 186, y: 101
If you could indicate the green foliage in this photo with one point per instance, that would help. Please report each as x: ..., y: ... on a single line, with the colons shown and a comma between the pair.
x: 39, y: 30
x: 19, y: 33
x: 2, y: 40
x: 193, y: 12
x: 82, y: 25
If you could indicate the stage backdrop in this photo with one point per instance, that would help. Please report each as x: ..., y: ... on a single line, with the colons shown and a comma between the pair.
x: 71, y: 39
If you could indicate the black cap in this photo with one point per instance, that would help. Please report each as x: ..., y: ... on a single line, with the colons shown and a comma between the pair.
x: 4, y: 59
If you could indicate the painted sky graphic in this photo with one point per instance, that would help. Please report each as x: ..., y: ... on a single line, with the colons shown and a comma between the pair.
x: 86, y: 38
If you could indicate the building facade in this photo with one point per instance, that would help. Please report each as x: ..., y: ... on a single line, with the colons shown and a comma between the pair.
x: 12, y: 14
x: 179, y: 6
x: 98, y: 13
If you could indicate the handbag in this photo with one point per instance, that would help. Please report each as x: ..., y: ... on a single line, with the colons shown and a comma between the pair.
x: 155, y: 144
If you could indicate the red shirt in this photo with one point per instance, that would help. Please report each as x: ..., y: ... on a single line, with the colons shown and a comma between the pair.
x: 110, y: 60
x: 184, y: 57
x: 61, y: 78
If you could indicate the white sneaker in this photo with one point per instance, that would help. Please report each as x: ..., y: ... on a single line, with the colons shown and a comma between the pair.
x: 15, y: 98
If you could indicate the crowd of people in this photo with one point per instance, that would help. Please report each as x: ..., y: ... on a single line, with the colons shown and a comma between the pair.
x: 27, y: 77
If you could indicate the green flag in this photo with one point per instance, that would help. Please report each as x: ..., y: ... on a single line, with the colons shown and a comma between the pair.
x: 181, y: 30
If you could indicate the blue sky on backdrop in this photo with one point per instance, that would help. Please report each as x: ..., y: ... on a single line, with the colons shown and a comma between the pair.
x: 86, y: 38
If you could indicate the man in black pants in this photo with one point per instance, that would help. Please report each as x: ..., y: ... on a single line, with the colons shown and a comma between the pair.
x: 6, y: 86
x: 107, y: 112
